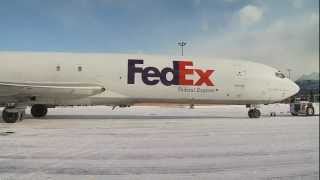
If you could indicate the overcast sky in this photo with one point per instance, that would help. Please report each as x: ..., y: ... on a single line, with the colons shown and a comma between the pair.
x: 280, y: 33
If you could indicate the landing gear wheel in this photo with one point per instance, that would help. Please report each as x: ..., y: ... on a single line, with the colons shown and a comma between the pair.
x: 254, y: 113
x: 250, y: 113
x: 257, y: 113
x: 39, y: 110
x: 310, y: 111
x: 10, y: 117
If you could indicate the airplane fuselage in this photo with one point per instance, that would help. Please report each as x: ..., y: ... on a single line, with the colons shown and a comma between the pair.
x: 130, y: 79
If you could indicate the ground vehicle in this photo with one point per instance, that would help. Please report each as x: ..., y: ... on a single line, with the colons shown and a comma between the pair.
x: 303, y: 108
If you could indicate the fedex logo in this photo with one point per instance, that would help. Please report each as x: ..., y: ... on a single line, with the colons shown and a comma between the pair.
x: 181, y: 72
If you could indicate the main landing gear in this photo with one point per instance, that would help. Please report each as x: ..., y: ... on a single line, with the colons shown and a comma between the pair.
x: 11, y: 114
x: 253, y: 111
x: 14, y: 113
x: 39, y: 110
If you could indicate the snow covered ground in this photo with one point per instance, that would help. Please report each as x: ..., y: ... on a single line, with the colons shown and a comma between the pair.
x: 143, y: 143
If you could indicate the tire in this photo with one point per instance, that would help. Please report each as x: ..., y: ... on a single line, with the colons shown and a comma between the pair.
x: 310, y: 111
x: 39, y: 110
x: 256, y: 113
x: 10, y: 117
x: 250, y: 113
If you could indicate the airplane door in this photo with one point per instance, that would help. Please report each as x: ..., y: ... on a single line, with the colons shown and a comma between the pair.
x: 240, y: 81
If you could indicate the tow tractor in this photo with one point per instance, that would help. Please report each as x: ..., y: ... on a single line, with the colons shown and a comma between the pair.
x: 304, y: 108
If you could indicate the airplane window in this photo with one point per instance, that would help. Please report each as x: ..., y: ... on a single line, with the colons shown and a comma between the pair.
x: 58, y: 68
x: 280, y: 75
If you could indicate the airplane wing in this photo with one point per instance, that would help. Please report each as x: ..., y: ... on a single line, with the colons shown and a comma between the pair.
x: 50, y: 90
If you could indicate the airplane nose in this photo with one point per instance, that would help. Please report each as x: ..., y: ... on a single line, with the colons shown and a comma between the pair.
x: 294, y: 88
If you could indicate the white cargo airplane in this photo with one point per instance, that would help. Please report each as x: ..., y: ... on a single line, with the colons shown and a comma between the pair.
x: 45, y: 80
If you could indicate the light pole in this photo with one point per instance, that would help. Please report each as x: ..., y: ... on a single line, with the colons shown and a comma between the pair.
x: 289, y: 73
x: 182, y: 44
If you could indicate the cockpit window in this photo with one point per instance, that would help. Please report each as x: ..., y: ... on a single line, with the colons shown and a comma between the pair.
x: 280, y: 75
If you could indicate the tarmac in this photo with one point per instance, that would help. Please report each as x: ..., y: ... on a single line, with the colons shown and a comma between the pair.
x: 156, y: 143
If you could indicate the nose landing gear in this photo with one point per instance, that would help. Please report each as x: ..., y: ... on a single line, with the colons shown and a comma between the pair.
x: 253, y: 111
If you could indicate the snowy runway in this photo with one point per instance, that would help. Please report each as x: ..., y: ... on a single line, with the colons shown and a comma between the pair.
x: 217, y: 142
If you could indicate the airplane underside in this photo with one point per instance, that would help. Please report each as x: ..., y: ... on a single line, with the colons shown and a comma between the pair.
x: 115, y: 101
x: 15, y: 111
